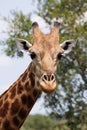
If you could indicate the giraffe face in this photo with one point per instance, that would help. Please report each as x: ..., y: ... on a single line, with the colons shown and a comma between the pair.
x: 45, y: 59
x: 45, y: 53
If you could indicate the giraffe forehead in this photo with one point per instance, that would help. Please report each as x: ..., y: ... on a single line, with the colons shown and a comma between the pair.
x: 47, y: 40
x: 46, y: 44
x: 45, y: 50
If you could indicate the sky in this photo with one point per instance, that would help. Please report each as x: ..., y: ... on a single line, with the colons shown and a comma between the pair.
x: 12, y: 68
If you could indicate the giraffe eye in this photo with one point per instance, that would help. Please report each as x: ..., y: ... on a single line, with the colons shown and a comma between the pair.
x: 59, y: 56
x: 33, y: 55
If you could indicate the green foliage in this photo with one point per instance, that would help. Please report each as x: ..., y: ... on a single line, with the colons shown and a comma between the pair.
x: 19, y: 27
x: 40, y: 122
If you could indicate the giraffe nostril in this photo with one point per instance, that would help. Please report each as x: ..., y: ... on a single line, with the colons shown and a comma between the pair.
x: 52, y: 77
x: 45, y: 77
x: 48, y: 77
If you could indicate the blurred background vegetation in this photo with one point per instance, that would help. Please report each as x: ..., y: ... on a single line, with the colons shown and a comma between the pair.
x: 68, y: 104
x: 40, y: 122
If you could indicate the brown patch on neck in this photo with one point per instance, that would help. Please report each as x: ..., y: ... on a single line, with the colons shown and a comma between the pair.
x: 15, y: 107
x: 32, y: 79
x: 16, y: 121
x: 4, y: 109
x: 13, y: 92
x: 20, y: 88
x: 27, y: 86
x: 6, y: 125
x: 1, y: 102
x: 24, y: 77
x: 23, y: 113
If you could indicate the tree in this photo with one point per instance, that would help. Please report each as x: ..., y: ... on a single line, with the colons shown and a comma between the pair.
x: 19, y: 27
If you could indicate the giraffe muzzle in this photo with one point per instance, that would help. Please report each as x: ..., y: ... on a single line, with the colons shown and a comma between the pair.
x: 48, y: 83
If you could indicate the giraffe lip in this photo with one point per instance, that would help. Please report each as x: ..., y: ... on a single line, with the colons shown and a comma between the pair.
x: 48, y: 87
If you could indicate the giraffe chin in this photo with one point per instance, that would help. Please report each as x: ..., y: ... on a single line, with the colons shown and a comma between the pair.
x: 48, y: 87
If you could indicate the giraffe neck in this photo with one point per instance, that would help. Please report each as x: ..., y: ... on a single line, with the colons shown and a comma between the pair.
x: 18, y: 100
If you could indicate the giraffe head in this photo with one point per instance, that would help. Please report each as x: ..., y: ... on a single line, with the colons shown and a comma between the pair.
x: 45, y: 53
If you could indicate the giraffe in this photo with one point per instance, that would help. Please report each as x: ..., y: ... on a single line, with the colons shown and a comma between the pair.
x: 17, y: 101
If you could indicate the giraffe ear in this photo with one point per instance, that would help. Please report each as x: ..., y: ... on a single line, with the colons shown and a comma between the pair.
x: 67, y: 46
x: 22, y: 44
